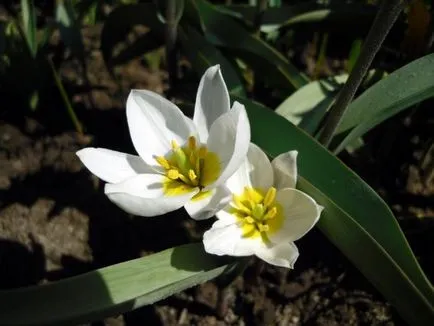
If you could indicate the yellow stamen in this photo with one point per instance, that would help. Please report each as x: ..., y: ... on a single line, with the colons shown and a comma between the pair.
x: 173, y: 174
x: 193, y: 158
x: 263, y: 227
x: 251, y: 194
x: 258, y: 213
x: 163, y: 162
x: 249, y: 219
x: 270, y: 196
x: 174, y: 144
x: 271, y: 213
x: 192, y: 143
x: 192, y: 175
x: 202, y: 152
x: 240, y: 205
x: 184, y: 179
x: 189, y: 167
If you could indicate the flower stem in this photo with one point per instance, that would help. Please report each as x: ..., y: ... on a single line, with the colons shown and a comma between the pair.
x: 77, y: 124
x: 171, y: 36
x: 384, y: 20
x: 260, y: 9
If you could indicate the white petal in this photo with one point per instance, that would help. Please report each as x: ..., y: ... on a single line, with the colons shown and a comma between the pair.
x: 285, y: 170
x: 229, y: 137
x: 205, y: 208
x: 143, y: 195
x: 154, y: 122
x: 255, y: 171
x: 224, y: 218
x: 228, y: 240
x: 212, y: 100
x: 301, y: 213
x: 283, y: 254
x: 112, y: 166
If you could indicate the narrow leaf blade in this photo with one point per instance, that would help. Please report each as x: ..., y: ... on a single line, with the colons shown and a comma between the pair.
x: 28, y: 13
x: 202, y: 55
x: 110, y: 290
x: 403, y: 88
x: 224, y: 31
x: 69, y: 28
x: 307, y: 106
x: 371, y: 259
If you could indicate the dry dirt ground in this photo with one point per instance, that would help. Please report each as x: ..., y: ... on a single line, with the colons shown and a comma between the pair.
x: 55, y: 221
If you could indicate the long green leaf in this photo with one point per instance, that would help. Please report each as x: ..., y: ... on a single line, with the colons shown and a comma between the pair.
x: 359, y: 202
x: 69, y: 28
x: 403, y: 88
x: 203, y: 54
x: 110, y: 290
x: 307, y: 106
x: 224, y: 31
x: 310, y: 12
x: 371, y: 259
x: 29, y: 23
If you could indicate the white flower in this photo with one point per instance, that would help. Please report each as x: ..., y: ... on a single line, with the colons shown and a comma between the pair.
x: 181, y: 162
x: 266, y: 213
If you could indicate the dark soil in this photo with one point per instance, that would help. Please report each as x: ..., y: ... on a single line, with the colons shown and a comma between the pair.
x: 55, y: 221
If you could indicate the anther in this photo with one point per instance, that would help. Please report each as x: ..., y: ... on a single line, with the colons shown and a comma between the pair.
x: 173, y: 174
x: 240, y: 205
x: 184, y: 179
x: 163, y: 162
x: 272, y: 212
x: 202, y: 152
x: 192, y: 143
x: 263, y: 227
x: 174, y: 144
x: 270, y: 196
x: 249, y: 219
x: 252, y: 195
x: 192, y: 175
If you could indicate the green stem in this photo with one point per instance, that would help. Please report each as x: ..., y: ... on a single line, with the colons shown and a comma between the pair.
x: 65, y: 99
x: 384, y: 20
x: 171, y: 36
x: 261, y: 7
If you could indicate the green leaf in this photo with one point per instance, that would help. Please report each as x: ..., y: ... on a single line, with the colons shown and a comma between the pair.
x: 371, y: 259
x: 356, y: 47
x: 69, y: 28
x: 203, y: 54
x: 29, y: 23
x: 162, y: 7
x: 120, y: 22
x: 110, y: 290
x: 403, y: 88
x: 224, y: 31
x: 307, y: 13
x: 308, y: 105
x: 356, y: 219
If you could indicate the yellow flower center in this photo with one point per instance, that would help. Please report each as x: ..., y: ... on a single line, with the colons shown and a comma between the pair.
x: 189, y: 167
x: 257, y: 212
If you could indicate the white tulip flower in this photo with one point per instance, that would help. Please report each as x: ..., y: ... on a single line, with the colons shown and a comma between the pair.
x: 181, y: 162
x: 266, y: 214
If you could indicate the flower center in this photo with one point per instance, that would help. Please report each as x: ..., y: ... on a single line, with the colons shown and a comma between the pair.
x: 257, y: 212
x: 188, y: 167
